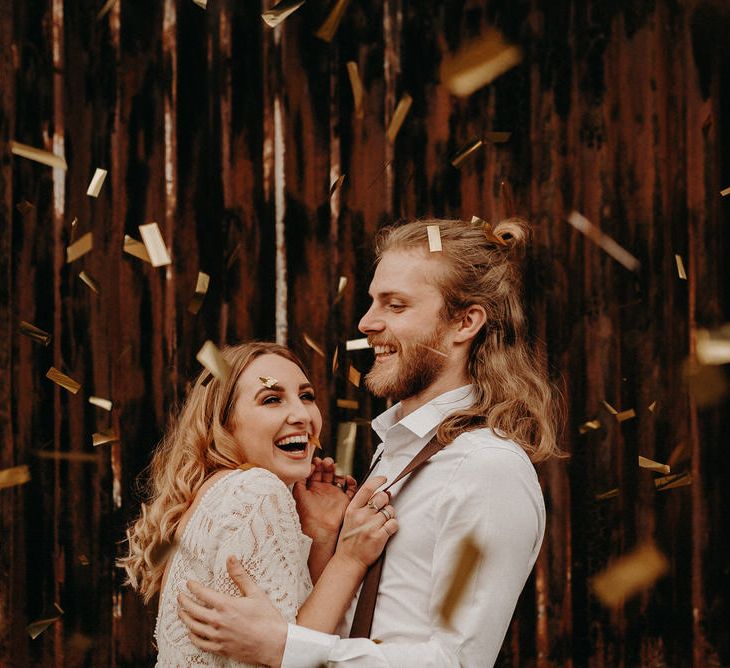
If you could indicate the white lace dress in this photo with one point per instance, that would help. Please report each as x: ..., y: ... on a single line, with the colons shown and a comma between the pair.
x: 250, y: 514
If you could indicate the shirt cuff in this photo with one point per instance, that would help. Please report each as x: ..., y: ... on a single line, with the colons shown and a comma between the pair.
x: 306, y: 648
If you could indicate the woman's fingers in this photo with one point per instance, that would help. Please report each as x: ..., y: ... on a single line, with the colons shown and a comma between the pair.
x: 391, y: 527
x: 378, y: 500
x: 367, y: 490
x: 328, y: 470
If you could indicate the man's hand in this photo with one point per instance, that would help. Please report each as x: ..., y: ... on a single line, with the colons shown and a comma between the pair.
x: 322, y: 500
x: 248, y: 629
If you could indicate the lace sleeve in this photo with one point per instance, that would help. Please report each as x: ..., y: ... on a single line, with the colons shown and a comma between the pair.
x: 261, y: 528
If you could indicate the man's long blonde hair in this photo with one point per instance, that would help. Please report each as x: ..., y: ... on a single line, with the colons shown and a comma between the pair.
x: 197, y: 443
x: 483, y: 266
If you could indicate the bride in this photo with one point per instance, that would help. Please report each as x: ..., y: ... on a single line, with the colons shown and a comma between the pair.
x: 219, y: 486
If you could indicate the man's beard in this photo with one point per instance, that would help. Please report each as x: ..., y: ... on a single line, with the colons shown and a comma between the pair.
x: 418, y: 366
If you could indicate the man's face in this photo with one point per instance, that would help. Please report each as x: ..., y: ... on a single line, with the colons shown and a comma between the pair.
x: 404, y: 325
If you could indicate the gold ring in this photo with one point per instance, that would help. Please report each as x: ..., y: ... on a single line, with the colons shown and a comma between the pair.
x: 372, y: 505
x: 386, y: 512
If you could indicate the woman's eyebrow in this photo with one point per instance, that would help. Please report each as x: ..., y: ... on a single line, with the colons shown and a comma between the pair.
x: 274, y: 388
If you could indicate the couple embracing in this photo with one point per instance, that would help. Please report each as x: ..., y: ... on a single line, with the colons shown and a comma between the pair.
x: 278, y: 561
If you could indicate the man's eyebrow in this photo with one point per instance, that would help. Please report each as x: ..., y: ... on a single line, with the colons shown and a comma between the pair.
x: 279, y: 388
x: 388, y: 294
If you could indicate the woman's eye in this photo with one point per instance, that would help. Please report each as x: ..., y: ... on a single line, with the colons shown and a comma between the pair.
x: 308, y: 396
x: 271, y: 399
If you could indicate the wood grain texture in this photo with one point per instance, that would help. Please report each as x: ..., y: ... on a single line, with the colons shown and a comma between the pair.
x: 619, y: 110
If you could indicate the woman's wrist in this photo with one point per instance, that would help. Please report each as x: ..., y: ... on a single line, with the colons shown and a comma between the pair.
x: 349, y: 564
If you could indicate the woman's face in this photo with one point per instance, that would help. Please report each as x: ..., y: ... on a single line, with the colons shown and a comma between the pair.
x: 274, y: 425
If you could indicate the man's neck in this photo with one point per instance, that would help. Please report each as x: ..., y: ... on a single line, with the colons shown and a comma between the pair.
x: 437, y: 388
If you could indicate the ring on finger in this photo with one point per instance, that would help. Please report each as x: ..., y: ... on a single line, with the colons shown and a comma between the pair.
x: 372, y: 506
x: 388, y: 515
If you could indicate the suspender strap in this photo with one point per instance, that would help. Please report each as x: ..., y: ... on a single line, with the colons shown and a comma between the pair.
x: 362, y: 622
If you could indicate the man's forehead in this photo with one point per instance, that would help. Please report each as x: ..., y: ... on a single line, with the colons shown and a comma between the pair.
x: 405, y: 272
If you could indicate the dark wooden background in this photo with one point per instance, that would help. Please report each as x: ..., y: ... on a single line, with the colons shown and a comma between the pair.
x: 217, y: 127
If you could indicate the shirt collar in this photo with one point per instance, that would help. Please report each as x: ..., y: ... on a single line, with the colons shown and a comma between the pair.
x: 424, y: 419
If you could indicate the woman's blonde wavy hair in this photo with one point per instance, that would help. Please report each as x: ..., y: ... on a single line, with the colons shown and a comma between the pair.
x: 483, y: 266
x: 197, y: 443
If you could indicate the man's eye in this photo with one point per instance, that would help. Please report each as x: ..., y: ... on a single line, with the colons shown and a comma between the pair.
x: 396, y: 307
x: 271, y: 399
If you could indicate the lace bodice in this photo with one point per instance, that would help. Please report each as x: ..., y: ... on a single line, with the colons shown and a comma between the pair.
x: 250, y: 514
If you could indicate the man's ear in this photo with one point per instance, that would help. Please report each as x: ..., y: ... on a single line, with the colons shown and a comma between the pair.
x: 472, y: 320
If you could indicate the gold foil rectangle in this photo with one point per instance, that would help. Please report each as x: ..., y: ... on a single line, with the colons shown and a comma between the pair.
x: 37, y: 627
x: 357, y: 88
x: 680, y: 267
x: 328, y: 29
x: 79, y: 247
x: 606, y: 243
x: 14, y: 476
x: 274, y: 16
x: 155, y: 245
x: 106, y: 404
x: 93, y: 285
x: 609, y: 408
x: 97, y: 181
x: 66, y: 382
x: 399, y: 115
x: 434, y: 238
x: 104, y: 436
x: 212, y: 359
x: 465, y: 151
x: 353, y: 375
x: 136, y: 248
x: 672, y: 481
x: 625, y: 415
x: 478, y: 63
x: 34, y: 333
x: 313, y: 345
x: 629, y: 574
x: 646, y: 463
x: 590, y: 425
x: 610, y: 494
x: 357, y: 344
x: 725, y: 192
x: 201, y: 288
x: 350, y: 404
x: 337, y: 184
x: 38, y: 155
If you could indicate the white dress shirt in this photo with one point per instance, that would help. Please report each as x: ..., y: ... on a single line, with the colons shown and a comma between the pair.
x: 481, y: 485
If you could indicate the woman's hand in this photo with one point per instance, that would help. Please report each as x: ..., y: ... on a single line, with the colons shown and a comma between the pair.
x: 322, y: 500
x: 369, y: 523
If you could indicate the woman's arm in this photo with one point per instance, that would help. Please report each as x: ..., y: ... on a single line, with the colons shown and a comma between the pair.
x: 365, y: 531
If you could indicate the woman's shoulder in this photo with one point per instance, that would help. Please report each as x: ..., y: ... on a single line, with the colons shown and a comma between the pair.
x: 249, y: 483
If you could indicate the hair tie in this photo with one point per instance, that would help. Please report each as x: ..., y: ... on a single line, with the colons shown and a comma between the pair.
x: 490, y: 235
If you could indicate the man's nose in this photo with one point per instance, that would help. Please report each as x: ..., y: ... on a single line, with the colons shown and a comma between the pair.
x: 370, y: 322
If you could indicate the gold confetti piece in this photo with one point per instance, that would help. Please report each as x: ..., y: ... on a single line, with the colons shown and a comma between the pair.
x: 39, y: 625
x: 476, y: 221
x: 314, y: 346
x: 334, y: 359
x: 399, y: 115
x: 14, y: 476
x: 713, y: 345
x: 212, y: 359
x: 629, y: 574
x: 433, y: 350
x: 353, y: 375
x: 610, y: 494
x: 725, y: 192
x: 357, y: 344
x: 79, y: 247
x: 465, y: 151
x: 434, y: 238
x: 679, y: 453
x: 93, y: 285
x: 672, y: 481
x: 38, y: 155
x: 469, y: 556
x: 201, y: 3
x: 609, y: 408
x: 268, y: 381
x: 348, y: 403
x: 66, y: 456
x: 357, y: 89
x: 136, y: 248
x: 155, y: 245
x: 106, y: 8
x: 652, y: 406
x: 621, y: 255
x: 63, y: 380
x: 340, y: 289
x: 478, y: 63
x: 106, y: 404
x: 591, y: 425
x: 104, y: 436
x: 25, y: 207
x: 680, y: 267
x: 345, y: 449
x: 84, y: 560
x: 646, y: 463
x: 97, y: 182
x: 315, y: 442
x: 201, y: 288
x: 34, y: 333
x: 497, y: 137
x: 625, y: 415
x: 337, y: 184
x: 328, y: 29
x: 274, y: 16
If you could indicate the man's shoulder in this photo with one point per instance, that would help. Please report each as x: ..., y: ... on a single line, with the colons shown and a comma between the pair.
x: 486, y: 444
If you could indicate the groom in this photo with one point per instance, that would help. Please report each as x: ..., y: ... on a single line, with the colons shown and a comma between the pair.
x: 448, y: 331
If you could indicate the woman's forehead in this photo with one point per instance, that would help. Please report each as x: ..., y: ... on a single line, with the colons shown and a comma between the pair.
x: 272, y: 368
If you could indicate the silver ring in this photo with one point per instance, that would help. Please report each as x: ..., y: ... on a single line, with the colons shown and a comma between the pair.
x: 386, y: 513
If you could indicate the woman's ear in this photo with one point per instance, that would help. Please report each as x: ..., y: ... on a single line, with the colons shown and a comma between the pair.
x: 472, y: 320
